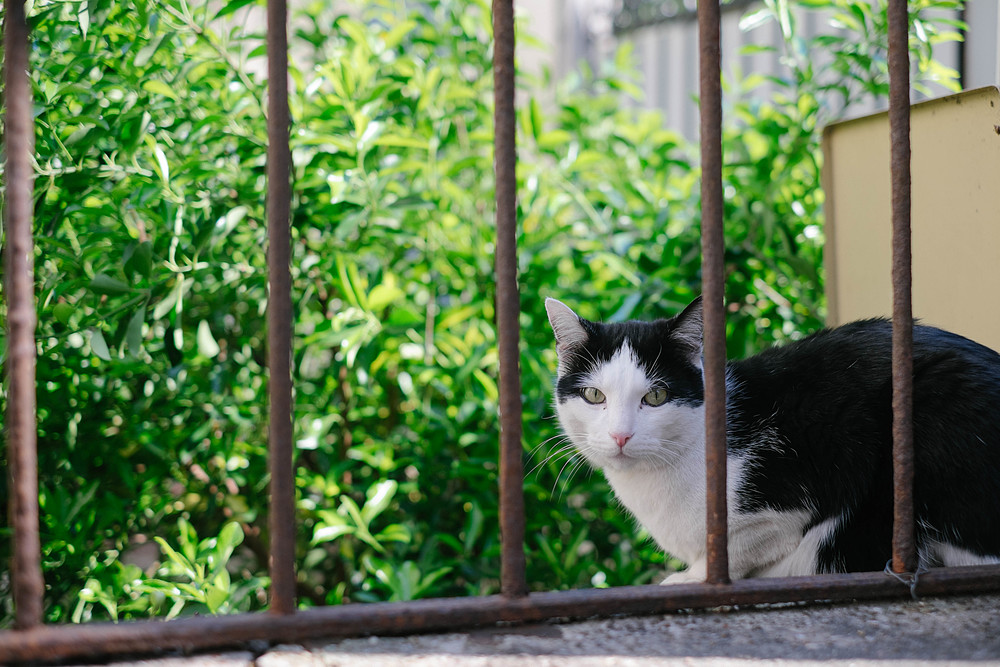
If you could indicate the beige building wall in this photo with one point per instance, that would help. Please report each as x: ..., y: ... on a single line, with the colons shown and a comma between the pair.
x: 955, y: 215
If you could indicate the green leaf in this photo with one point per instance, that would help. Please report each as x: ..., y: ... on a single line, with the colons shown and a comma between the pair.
x: 379, y: 498
x: 105, y: 284
x: 147, y: 52
x: 161, y: 166
x: 228, y: 222
x: 755, y: 19
x: 176, y: 558
x: 554, y: 139
x: 83, y: 18
x: 191, y: 591
x: 347, y: 503
x: 230, y: 537
x: 428, y: 580
x: 536, y: 118
x: 139, y: 259
x: 401, y: 141
x: 327, y: 533
x: 81, y: 605
x: 232, y: 6
x: 176, y: 609
x: 752, y: 50
x: 369, y: 539
x: 173, y: 299
x: 357, y: 31
x: 395, y: 35
x: 133, y: 333
x: 217, y: 593
x: 370, y: 134
x: 207, y: 347
x: 63, y: 311
x: 383, y: 295
x: 98, y: 345
x: 394, y: 533
x: 188, y: 540
x: 473, y: 528
x: 158, y: 87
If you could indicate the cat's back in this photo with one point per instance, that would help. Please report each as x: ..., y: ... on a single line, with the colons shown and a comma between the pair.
x: 814, y: 372
x: 831, y: 394
x: 861, y: 351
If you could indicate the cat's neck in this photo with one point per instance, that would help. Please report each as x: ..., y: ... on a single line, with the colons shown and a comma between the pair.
x: 668, y: 500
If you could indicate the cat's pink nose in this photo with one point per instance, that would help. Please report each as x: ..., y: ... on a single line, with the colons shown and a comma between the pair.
x: 621, y: 438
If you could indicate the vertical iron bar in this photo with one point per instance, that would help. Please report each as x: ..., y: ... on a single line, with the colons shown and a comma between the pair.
x: 508, y: 306
x: 713, y: 290
x: 22, y: 444
x: 282, y: 514
x: 903, y: 544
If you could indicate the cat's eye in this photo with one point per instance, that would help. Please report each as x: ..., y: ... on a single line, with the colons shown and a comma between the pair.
x: 655, y: 397
x: 592, y: 395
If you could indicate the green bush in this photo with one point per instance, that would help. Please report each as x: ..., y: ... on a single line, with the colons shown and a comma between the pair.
x: 152, y: 293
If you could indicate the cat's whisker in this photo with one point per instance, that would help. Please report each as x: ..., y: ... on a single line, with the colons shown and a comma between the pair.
x: 574, y: 461
x: 563, y: 449
x: 537, y: 447
x: 579, y: 463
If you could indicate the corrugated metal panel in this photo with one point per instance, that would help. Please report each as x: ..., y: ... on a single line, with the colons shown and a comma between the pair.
x: 666, y: 56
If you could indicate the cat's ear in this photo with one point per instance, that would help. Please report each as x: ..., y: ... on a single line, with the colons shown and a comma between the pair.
x: 566, y: 325
x: 688, y: 331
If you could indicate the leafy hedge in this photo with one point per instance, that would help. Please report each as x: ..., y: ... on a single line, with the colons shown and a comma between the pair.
x: 152, y: 290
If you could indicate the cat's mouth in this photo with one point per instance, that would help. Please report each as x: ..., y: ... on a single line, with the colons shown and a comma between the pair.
x: 621, y: 459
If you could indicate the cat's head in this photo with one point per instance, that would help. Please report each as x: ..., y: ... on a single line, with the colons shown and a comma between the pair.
x: 631, y: 393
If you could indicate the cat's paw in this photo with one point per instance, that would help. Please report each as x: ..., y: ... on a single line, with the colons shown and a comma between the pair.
x: 684, y: 577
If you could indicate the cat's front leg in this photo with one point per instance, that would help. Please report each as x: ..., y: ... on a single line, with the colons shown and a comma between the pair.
x: 694, y: 574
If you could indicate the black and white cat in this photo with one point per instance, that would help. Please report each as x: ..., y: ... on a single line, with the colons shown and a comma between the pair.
x: 809, y: 442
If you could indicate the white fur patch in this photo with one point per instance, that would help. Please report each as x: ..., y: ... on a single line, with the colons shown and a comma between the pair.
x: 801, y: 552
x: 669, y: 502
x: 948, y: 555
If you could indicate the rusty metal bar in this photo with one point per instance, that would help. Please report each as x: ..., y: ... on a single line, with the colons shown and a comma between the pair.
x: 22, y: 444
x: 197, y: 633
x: 904, y: 552
x: 508, y: 304
x: 281, y: 522
x: 713, y: 290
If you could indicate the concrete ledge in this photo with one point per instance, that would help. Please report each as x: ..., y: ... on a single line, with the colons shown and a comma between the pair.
x: 933, y: 633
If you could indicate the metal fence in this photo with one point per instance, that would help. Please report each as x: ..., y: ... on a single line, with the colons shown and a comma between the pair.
x: 31, y: 640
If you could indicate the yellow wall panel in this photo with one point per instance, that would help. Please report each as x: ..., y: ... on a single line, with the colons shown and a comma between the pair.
x: 955, y: 171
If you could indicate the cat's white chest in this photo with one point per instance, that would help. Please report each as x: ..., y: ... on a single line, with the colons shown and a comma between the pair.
x: 669, y: 502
